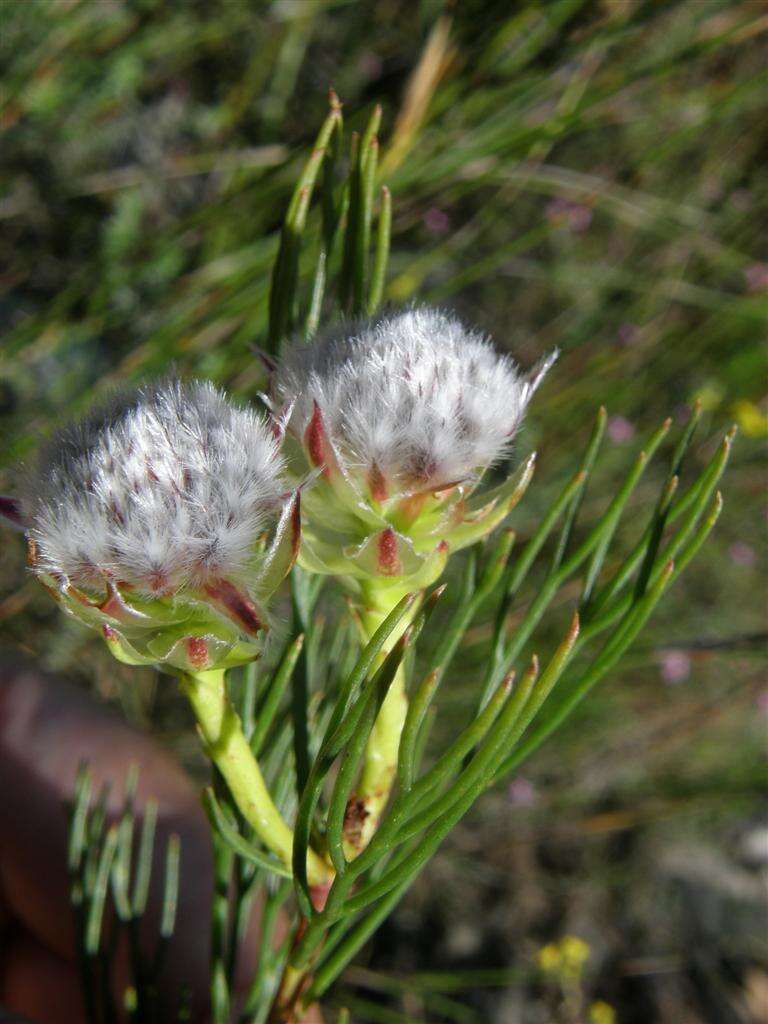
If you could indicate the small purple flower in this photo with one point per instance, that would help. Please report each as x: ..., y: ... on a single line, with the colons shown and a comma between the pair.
x: 628, y: 334
x: 761, y: 701
x: 675, y: 666
x: 436, y: 221
x: 756, y: 277
x: 682, y: 412
x: 564, y: 212
x: 579, y: 218
x: 741, y: 199
x: 742, y: 554
x: 370, y: 64
x: 522, y: 793
x: 554, y: 211
x: 620, y: 430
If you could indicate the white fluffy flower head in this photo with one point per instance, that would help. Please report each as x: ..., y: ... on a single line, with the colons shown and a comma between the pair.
x: 412, y: 402
x: 168, y: 488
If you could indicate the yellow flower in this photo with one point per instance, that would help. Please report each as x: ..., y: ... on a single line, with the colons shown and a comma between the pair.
x: 601, y: 1013
x: 751, y: 419
x: 565, y: 958
x: 549, y: 958
x: 575, y: 953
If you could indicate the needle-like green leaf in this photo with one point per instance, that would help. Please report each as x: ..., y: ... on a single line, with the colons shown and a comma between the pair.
x: 235, y: 841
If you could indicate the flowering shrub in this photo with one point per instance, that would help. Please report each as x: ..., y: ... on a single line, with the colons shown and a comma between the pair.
x: 168, y: 520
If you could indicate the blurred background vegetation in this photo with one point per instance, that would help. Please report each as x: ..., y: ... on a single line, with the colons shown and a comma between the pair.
x: 587, y: 175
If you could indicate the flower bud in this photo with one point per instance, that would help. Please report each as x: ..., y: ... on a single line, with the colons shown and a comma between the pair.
x: 162, y: 521
x: 400, y: 416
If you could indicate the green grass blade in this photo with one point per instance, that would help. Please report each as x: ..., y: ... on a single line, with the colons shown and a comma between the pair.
x: 98, y: 894
x: 353, y: 203
x: 344, y: 782
x: 170, y: 887
x: 144, y: 859
x: 611, y: 519
x: 333, y: 738
x: 412, y: 803
x: 381, y: 257
x: 370, y: 158
x: 414, y: 720
x: 694, y: 499
x: 614, y: 649
x: 586, y: 468
x: 518, y: 570
x: 282, y: 295
x: 274, y: 693
x: 338, y: 955
x: 78, y: 828
x: 371, y: 702
x: 235, y: 842
x: 316, y: 303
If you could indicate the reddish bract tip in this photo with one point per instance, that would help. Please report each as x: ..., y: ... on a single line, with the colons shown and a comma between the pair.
x: 316, y: 441
x: 114, y: 605
x: 276, y: 428
x: 10, y: 510
x: 158, y: 581
x: 296, y: 525
x: 388, y: 560
x: 377, y: 484
x: 318, y: 894
x: 109, y: 633
x: 197, y: 652
x: 237, y: 605
x: 268, y: 362
x: 574, y: 628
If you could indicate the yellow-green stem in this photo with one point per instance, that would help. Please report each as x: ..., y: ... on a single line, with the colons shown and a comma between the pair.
x: 381, y: 753
x: 226, y: 744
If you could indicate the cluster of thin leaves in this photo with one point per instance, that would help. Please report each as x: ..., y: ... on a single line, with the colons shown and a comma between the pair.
x: 116, y: 860
x: 310, y: 718
x: 360, y: 287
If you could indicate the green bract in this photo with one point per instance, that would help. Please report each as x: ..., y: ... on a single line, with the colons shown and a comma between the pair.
x: 401, y: 540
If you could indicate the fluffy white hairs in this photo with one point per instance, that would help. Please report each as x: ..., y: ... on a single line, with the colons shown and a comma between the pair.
x: 415, y: 397
x: 167, y: 487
